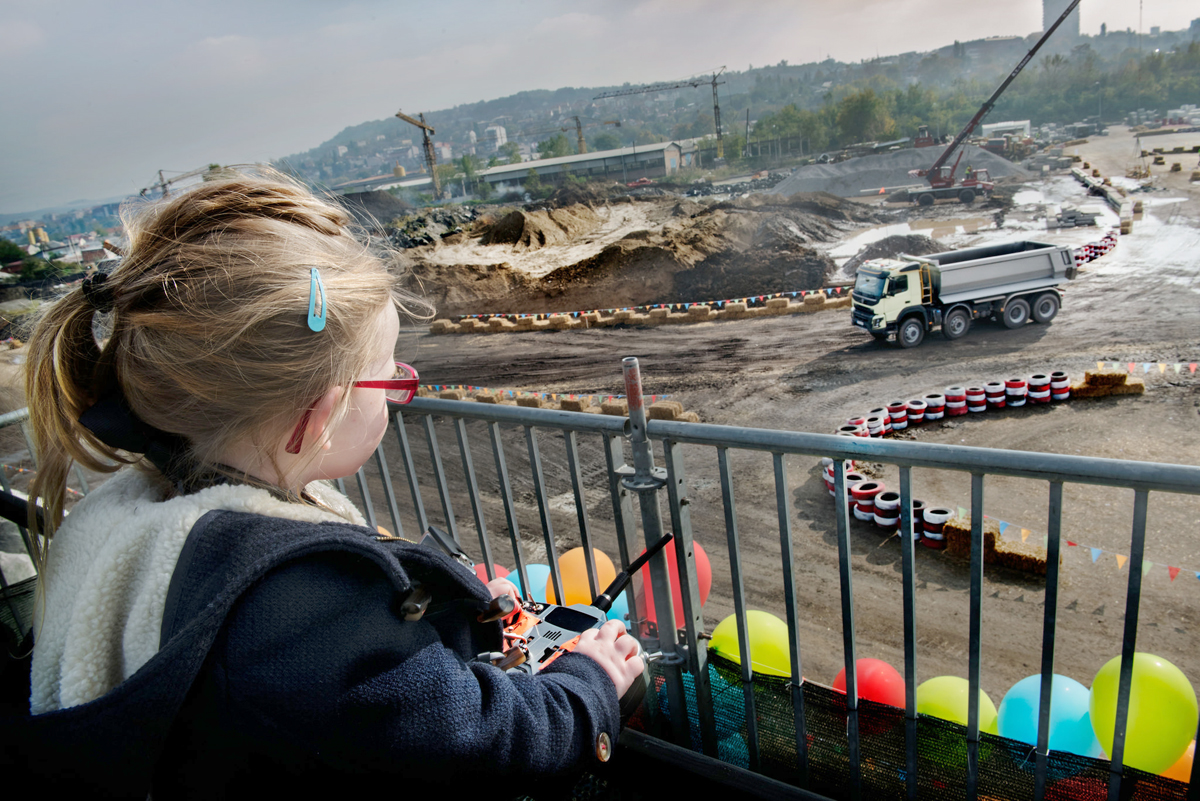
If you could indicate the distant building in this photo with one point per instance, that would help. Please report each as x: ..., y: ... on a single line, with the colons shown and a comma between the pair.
x: 1052, y: 10
x: 494, y: 136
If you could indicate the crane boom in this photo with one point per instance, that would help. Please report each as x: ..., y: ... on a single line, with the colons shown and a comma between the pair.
x: 692, y: 82
x: 991, y: 101
x: 430, y: 154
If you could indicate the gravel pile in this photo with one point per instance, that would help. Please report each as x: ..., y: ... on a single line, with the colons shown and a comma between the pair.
x: 856, y: 177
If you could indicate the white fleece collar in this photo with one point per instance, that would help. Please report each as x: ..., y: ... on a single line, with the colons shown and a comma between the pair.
x: 110, y: 564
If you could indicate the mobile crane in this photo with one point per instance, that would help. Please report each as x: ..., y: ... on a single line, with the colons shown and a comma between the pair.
x: 942, y: 183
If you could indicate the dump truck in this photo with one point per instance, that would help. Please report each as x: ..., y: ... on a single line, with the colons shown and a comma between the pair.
x: 907, y: 297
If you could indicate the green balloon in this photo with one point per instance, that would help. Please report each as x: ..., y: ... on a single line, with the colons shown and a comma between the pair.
x: 947, y: 697
x: 769, y: 644
x: 1162, y: 711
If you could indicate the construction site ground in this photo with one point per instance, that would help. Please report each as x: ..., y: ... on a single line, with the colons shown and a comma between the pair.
x: 1140, y: 303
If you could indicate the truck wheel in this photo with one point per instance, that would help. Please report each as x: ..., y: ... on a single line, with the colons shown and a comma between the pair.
x: 1016, y: 313
x: 1045, y: 307
x: 910, y: 333
x: 967, y: 196
x: 956, y: 324
x: 925, y: 199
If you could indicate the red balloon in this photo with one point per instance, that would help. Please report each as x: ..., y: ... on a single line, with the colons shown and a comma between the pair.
x: 481, y: 571
x: 877, y: 681
x: 703, y: 577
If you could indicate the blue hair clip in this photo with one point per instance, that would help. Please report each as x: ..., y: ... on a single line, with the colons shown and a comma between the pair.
x: 316, y: 320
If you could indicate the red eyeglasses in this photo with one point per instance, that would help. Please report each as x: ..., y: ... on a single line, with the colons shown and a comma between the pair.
x: 398, y: 389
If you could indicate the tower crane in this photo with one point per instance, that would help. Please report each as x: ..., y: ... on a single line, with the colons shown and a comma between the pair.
x: 164, y: 184
x: 579, y: 126
x: 692, y: 82
x: 430, y: 155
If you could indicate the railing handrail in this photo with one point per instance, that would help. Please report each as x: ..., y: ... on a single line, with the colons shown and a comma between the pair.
x: 1020, y: 464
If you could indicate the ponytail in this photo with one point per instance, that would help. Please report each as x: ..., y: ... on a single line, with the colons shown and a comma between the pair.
x: 65, y: 373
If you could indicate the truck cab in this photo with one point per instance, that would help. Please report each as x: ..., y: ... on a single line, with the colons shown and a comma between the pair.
x: 887, y: 291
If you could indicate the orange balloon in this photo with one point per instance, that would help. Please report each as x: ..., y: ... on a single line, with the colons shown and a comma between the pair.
x: 1182, y: 770
x: 572, y: 567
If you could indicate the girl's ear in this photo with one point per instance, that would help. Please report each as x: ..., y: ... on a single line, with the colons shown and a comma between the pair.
x: 318, y: 420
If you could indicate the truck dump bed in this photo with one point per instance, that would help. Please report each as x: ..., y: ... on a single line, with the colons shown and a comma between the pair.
x: 975, y: 273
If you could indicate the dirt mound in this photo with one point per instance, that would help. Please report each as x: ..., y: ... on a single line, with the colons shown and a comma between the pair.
x: 891, y: 247
x: 529, y: 230
x: 373, y: 210
x: 432, y: 227
x: 887, y: 170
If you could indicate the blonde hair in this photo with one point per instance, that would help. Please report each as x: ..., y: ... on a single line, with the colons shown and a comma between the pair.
x: 209, y: 328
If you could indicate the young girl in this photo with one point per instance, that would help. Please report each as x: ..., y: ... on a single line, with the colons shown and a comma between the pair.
x: 216, y: 619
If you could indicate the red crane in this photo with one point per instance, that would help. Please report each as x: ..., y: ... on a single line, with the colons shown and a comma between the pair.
x: 941, y: 178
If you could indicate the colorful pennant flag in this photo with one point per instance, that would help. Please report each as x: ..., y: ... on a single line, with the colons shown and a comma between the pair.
x: 1146, y: 565
x: 1121, y: 560
x: 1173, y: 572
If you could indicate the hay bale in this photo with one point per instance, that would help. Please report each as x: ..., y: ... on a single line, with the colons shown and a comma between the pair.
x: 665, y: 410
x: 453, y: 394
x: 639, y: 319
x: 622, y: 316
x: 443, y: 327
x: 958, y: 537
x: 469, y: 325
x: 486, y: 396
x: 1104, y: 378
x: 540, y: 325
x: 698, y: 310
x: 688, y: 417
x: 1132, y: 386
x: 839, y: 303
x: 736, y: 308
x: 1082, y: 390
x: 618, y: 407
x: 574, y: 404
x: 658, y: 315
x: 1023, y: 556
x: 532, y: 401
x: 499, y: 325
x: 814, y: 299
x: 778, y: 306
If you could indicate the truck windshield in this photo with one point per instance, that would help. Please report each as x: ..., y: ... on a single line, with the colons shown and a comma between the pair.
x: 869, y: 285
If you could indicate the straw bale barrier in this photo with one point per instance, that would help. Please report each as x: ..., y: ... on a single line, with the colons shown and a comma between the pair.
x: 696, y: 313
x: 1024, y: 556
x: 1103, y: 383
x: 618, y: 407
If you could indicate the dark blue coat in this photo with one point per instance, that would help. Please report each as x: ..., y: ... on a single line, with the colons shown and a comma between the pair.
x: 287, y: 667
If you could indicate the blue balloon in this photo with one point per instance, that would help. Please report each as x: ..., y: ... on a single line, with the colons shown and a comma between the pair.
x: 620, y: 611
x: 1070, y: 724
x: 537, y: 578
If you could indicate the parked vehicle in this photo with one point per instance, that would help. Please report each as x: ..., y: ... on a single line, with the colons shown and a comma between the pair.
x: 1072, y: 218
x: 908, y: 297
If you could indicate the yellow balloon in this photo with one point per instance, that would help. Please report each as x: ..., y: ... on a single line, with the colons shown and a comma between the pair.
x: 1162, y: 711
x: 769, y: 644
x: 947, y: 697
x: 572, y: 567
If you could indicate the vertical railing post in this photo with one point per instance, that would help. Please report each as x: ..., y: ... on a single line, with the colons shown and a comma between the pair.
x: 908, y: 528
x: 646, y: 480
x: 842, y: 522
x: 1049, y: 625
x: 975, y: 640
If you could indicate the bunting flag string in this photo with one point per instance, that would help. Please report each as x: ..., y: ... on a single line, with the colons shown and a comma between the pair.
x: 592, y: 399
x: 1093, y: 551
x: 1145, y: 367
x: 830, y: 291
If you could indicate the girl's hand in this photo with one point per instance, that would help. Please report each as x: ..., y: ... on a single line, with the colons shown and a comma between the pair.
x: 614, y: 651
x: 502, y: 586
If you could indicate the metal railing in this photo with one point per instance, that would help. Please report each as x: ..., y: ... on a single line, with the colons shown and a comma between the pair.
x: 518, y: 435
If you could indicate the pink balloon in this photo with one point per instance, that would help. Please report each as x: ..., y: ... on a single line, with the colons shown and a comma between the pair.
x: 877, y: 681
x: 481, y: 571
x: 703, y: 577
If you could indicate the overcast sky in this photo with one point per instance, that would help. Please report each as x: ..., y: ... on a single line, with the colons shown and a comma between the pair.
x: 98, y: 96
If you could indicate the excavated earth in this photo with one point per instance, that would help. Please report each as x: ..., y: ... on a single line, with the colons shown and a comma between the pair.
x: 635, y: 252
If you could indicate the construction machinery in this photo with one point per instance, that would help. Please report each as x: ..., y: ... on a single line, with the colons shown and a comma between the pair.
x: 578, y: 128
x: 941, y: 178
x: 164, y: 184
x: 430, y: 154
x: 692, y: 82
